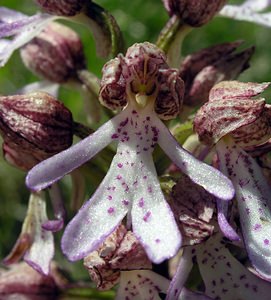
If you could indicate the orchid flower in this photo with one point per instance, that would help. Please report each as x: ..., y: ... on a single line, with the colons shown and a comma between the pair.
x: 35, y: 243
x: 144, y: 85
x: 234, y: 121
x: 223, y: 275
x: 250, y: 10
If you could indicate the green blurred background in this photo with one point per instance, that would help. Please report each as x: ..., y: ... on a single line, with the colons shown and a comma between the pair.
x: 140, y: 20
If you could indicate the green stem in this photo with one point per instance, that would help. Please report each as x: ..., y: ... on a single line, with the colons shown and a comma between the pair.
x: 106, y: 32
x: 171, y: 38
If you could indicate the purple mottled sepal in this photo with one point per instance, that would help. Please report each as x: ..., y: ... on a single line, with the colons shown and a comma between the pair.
x: 231, y: 109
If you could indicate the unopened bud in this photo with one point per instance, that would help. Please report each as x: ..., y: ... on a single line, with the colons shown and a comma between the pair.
x: 34, y: 127
x: 66, y: 8
x: 207, y: 67
x: 194, y: 12
x: 56, y: 54
x: 232, y: 110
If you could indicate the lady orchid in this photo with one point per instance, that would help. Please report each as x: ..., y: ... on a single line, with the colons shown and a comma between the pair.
x: 142, y: 84
x: 234, y: 122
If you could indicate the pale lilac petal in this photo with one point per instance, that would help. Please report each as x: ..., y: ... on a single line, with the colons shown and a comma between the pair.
x: 141, y: 285
x: 202, y: 174
x: 253, y: 196
x: 247, y: 13
x: 225, y: 277
x: 98, y: 217
x: 24, y: 30
x: 43, y: 86
x: 225, y: 227
x: 59, y: 210
x: 152, y: 219
x: 9, y: 15
x: 179, y: 279
x: 41, y: 252
x: 54, y: 168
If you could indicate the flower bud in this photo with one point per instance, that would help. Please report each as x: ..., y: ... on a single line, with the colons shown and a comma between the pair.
x: 205, y: 68
x: 56, y: 54
x: 120, y: 251
x: 194, y: 12
x: 65, y: 8
x: 232, y: 110
x: 34, y: 127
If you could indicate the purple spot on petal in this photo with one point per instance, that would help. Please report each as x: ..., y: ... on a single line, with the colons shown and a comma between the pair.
x: 109, y: 197
x: 257, y: 226
x: 123, y: 123
x: 145, y: 177
x: 125, y: 202
x: 141, y: 202
x: 111, y: 210
x: 119, y: 165
x: 119, y: 177
x: 147, y: 216
x: 266, y: 242
x: 114, y: 136
x: 157, y: 241
x: 149, y: 189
